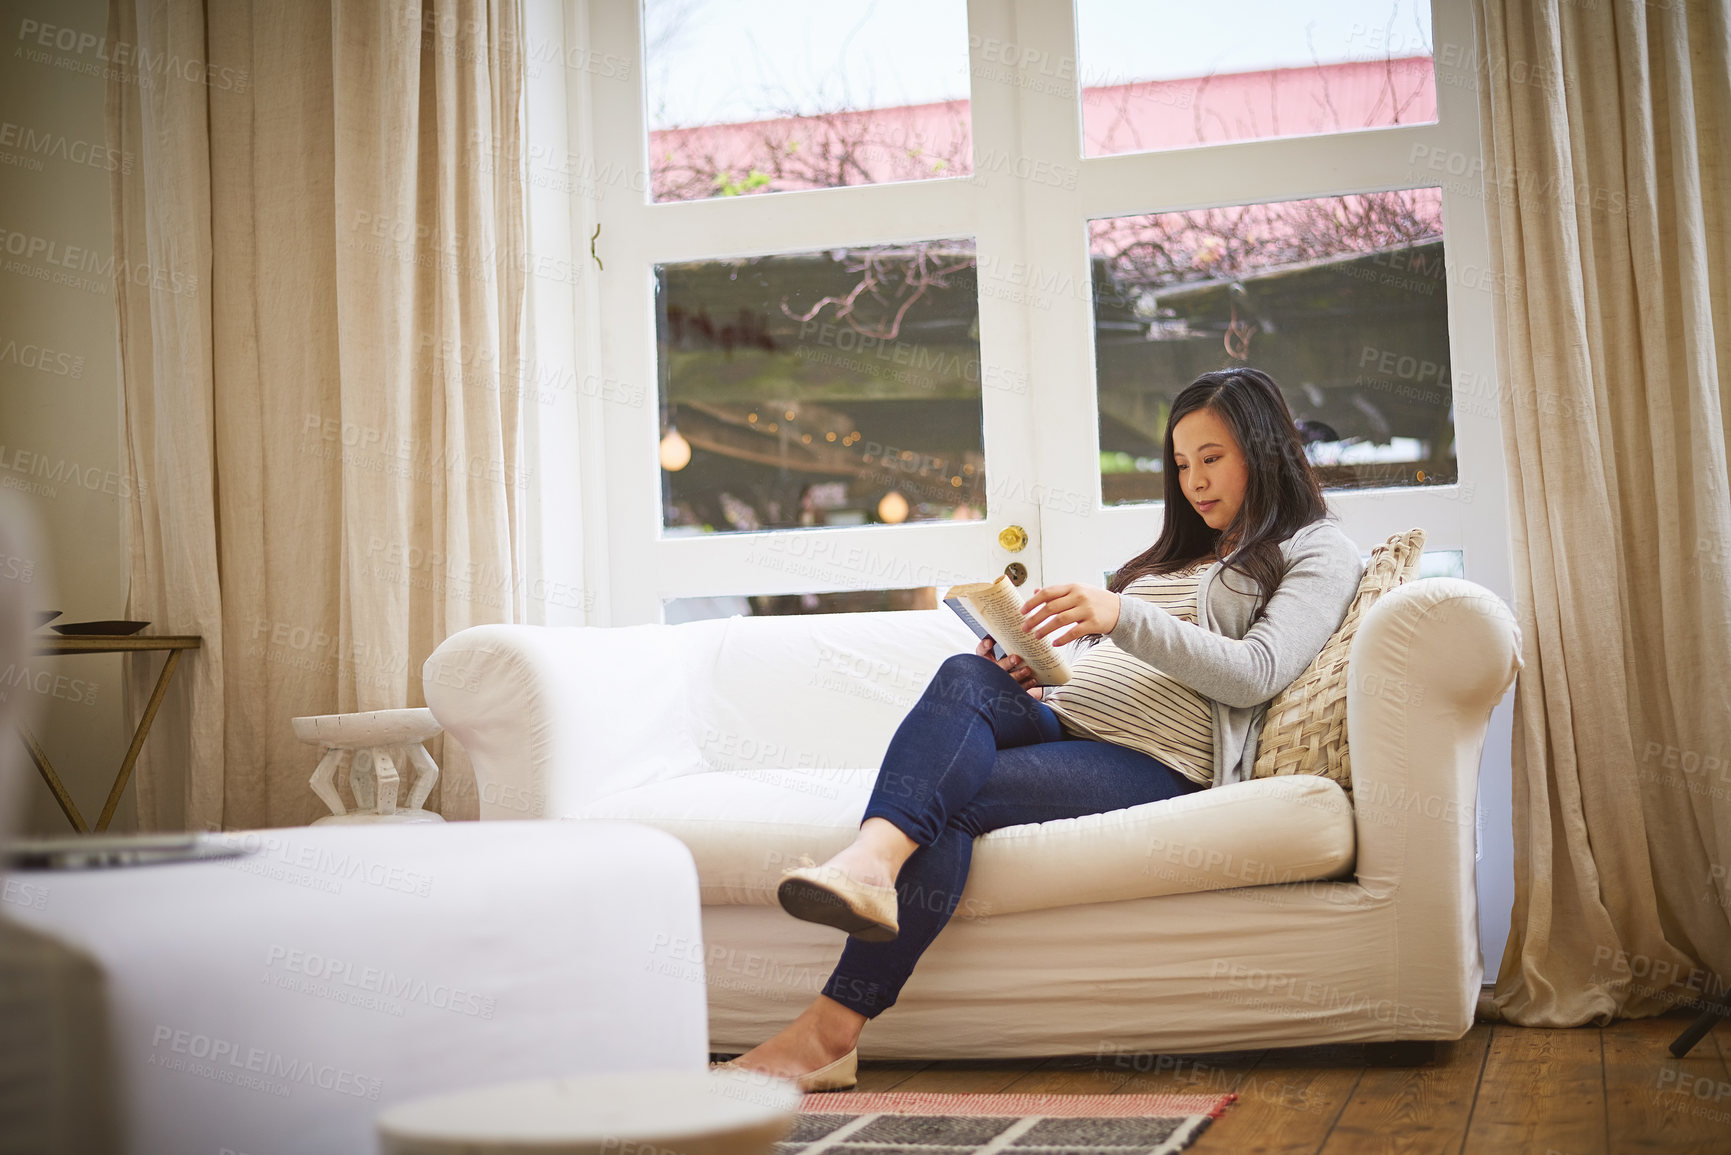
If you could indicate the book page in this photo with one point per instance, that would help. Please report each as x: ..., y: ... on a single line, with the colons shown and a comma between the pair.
x: 997, y: 604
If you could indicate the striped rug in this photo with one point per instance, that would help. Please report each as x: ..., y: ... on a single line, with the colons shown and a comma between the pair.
x: 888, y: 1123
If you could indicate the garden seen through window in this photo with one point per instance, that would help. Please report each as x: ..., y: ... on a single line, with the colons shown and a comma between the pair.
x: 830, y: 388
x: 1343, y: 300
x: 786, y: 94
x: 909, y: 276
x: 1164, y: 74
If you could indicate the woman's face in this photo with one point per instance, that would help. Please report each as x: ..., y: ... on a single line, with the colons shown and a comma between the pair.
x: 1211, y: 467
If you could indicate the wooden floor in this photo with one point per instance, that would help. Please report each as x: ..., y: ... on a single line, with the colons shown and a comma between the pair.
x: 1585, y: 1091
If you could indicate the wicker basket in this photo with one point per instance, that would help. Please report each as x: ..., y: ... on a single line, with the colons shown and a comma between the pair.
x: 1304, y: 731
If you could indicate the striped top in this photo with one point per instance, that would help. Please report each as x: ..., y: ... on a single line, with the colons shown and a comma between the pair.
x: 1113, y: 697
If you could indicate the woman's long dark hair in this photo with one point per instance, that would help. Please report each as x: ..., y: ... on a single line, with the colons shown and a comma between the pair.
x: 1281, y: 497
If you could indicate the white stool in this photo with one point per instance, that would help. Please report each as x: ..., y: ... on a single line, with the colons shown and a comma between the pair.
x: 661, y: 1112
x: 373, y: 774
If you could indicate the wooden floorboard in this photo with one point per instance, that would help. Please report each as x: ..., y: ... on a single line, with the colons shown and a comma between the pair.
x: 1501, y: 1088
x: 1288, y: 1102
x: 1657, y: 1102
x: 887, y: 1076
x: 962, y: 1076
x: 1542, y: 1090
x: 1215, y: 1074
x: 1067, y: 1076
x: 1414, y: 1110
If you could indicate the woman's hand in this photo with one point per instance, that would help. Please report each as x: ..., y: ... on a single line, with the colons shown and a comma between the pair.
x: 1011, y: 665
x: 1090, y: 609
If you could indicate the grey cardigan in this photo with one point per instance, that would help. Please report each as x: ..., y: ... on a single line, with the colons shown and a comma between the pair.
x: 1238, y: 666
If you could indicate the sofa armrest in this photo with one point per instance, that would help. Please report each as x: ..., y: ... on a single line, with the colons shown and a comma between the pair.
x: 1429, y: 662
x: 554, y: 717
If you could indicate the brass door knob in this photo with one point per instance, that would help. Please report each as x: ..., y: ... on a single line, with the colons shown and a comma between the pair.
x: 1013, y: 538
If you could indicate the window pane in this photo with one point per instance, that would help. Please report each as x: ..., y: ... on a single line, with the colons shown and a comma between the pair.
x: 1159, y: 74
x: 1442, y: 563
x: 1342, y: 300
x: 787, y: 94
x: 829, y: 388
x: 676, y: 610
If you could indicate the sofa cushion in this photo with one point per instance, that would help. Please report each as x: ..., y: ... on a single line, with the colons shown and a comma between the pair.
x: 547, y: 700
x: 744, y: 826
x: 816, y: 691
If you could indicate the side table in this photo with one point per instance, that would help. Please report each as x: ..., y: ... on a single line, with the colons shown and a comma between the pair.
x: 378, y: 742
x: 107, y: 644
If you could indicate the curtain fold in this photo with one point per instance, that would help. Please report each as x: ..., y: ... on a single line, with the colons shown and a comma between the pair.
x: 162, y: 259
x: 331, y: 479
x: 1605, y: 132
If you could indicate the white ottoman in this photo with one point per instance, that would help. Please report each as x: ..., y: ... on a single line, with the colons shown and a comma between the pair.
x: 667, y: 1113
x: 276, y: 1002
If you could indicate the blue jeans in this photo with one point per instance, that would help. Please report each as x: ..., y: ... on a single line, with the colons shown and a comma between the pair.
x: 976, y: 753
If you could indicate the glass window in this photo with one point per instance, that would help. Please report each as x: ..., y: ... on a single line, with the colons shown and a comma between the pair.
x: 822, y: 388
x: 1160, y: 74
x: 1442, y: 563
x: 676, y: 610
x: 1342, y: 300
x: 787, y: 94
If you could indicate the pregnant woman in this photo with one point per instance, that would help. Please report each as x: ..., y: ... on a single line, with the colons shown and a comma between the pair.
x: 1178, y: 657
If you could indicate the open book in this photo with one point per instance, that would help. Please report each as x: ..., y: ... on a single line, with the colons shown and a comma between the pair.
x: 995, y: 608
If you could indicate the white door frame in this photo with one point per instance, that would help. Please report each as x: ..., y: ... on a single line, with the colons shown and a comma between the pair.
x: 1041, y: 445
x: 645, y: 568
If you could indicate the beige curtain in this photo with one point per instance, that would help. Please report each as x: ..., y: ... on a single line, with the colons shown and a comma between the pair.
x: 1607, y: 132
x: 329, y: 468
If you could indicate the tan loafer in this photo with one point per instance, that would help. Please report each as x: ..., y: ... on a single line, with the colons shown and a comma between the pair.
x: 828, y: 895
x: 841, y: 1075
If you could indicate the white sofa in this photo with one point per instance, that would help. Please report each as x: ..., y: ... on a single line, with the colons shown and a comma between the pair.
x: 1266, y: 913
